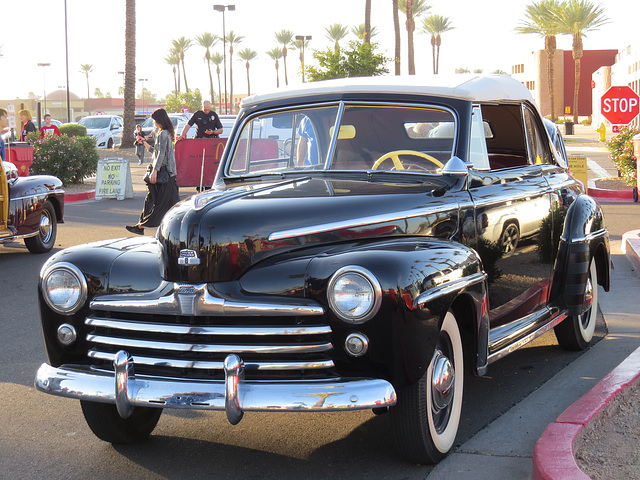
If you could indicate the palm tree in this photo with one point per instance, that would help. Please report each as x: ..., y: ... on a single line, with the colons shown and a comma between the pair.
x: 577, y: 17
x: 301, y: 46
x: 284, y: 37
x: 276, y: 55
x: 435, y: 25
x: 367, y: 21
x: 86, y: 69
x: 129, y: 74
x: 412, y: 9
x: 247, y: 55
x: 541, y: 19
x: 217, y: 58
x: 174, y: 52
x: 174, y: 60
x: 232, y: 39
x: 360, y: 31
x: 208, y: 40
x: 335, y: 33
x: 182, y: 45
x: 396, y: 30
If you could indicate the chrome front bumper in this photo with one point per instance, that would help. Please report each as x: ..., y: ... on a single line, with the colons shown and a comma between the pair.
x: 234, y: 394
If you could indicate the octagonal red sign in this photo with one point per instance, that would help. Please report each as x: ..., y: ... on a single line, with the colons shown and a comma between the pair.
x: 620, y: 105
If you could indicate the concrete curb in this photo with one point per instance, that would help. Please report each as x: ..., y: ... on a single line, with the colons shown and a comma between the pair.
x: 553, y: 455
x: 76, y: 197
x: 611, y: 194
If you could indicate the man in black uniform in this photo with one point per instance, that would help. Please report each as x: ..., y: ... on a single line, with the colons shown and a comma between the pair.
x: 207, y: 122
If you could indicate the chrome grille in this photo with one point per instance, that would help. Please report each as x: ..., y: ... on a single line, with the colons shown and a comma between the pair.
x: 191, y: 341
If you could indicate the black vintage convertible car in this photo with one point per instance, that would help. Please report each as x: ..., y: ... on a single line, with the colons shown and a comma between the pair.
x: 30, y: 208
x: 356, y: 251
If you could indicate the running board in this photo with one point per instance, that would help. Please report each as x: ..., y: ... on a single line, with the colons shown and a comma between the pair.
x: 506, y: 339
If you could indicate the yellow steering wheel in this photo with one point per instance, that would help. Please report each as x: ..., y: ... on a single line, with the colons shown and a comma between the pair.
x: 395, y: 158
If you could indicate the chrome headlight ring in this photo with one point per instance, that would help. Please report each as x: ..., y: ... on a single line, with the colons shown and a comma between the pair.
x: 64, y: 287
x: 354, y: 294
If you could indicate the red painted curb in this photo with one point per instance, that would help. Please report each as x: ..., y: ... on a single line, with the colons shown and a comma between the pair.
x: 553, y: 455
x: 76, y: 197
x: 610, y: 194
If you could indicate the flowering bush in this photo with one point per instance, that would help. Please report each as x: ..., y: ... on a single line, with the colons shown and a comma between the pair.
x: 621, y: 152
x: 71, y: 159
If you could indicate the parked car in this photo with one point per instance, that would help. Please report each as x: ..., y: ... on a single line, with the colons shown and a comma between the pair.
x: 30, y: 208
x: 351, y: 270
x: 177, y: 119
x: 105, y: 129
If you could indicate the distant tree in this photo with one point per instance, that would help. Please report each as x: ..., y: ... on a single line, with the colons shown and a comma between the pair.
x: 86, y: 69
x: 108, y: 95
x: 276, y: 55
x: 412, y: 9
x: 98, y: 93
x: 232, y: 39
x: 193, y: 100
x: 478, y: 70
x: 247, y: 55
x: 360, y: 31
x: 181, y: 45
x: 301, y: 46
x: 208, y: 41
x: 335, y: 33
x: 284, y: 37
x: 173, y: 59
x: 436, y: 25
x: 359, y: 60
x: 499, y: 72
x: 577, y: 17
x: 463, y: 70
x: 217, y: 59
x: 33, y: 96
x: 541, y: 18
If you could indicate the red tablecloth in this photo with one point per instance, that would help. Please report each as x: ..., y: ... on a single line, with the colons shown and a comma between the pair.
x: 189, y: 160
x: 21, y: 155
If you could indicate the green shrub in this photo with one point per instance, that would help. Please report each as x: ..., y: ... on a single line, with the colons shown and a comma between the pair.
x: 73, y: 130
x: 548, y: 238
x: 490, y: 253
x: 621, y: 153
x: 71, y: 159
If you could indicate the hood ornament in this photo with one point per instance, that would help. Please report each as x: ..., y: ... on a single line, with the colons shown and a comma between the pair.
x: 188, y: 257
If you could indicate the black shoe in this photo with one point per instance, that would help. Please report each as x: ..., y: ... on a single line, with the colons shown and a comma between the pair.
x: 135, y: 229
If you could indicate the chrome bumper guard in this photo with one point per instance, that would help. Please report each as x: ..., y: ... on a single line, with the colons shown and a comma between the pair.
x: 234, y: 395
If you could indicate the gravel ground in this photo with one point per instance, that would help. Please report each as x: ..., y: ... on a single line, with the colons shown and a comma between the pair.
x: 608, y: 448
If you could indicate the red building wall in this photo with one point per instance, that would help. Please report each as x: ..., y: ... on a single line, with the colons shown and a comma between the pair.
x: 591, y: 61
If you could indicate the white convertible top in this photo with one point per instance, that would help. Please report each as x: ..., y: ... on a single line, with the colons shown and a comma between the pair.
x: 481, y: 88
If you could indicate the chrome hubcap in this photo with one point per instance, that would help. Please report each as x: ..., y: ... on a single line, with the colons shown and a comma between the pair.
x: 588, y: 293
x: 442, y: 380
x: 45, y: 228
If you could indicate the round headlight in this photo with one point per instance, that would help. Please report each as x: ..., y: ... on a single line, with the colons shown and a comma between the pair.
x: 64, y: 288
x: 354, y: 294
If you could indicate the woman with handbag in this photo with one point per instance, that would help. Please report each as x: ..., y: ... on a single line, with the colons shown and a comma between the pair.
x: 161, y: 176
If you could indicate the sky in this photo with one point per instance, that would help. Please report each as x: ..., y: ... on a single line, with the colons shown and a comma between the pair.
x: 483, y: 38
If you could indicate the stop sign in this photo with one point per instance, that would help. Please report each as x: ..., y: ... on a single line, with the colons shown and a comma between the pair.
x: 620, y: 105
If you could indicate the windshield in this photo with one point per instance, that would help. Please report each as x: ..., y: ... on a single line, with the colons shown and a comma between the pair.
x: 92, y: 123
x: 389, y: 138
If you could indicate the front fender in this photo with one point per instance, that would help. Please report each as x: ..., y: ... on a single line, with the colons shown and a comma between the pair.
x: 420, y: 279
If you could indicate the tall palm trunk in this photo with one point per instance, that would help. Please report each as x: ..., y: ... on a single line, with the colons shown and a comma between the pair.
x: 411, y: 26
x: 367, y: 21
x: 88, y: 94
x: 129, y: 75
x: 396, y: 29
x: 577, y: 58
x: 219, y: 90
x: 550, y: 49
x: 175, y: 80
x: 184, y: 72
x: 231, y: 77
x: 248, y: 82
x: 284, y: 60
x: 208, y: 57
x: 433, y: 54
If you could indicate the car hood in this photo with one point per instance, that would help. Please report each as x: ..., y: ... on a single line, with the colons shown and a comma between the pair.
x: 218, y: 235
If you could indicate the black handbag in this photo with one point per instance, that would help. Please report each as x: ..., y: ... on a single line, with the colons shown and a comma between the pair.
x: 162, y: 177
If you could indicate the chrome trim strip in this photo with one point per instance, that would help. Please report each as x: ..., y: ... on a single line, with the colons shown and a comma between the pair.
x: 297, y: 395
x: 588, y: 237
x: 199, y: 303
x: 448, y: 288
x: 523, y: 341
x: 208, y: 365
x: 204, y: 330
x: 191, y: 347
x: 361, y: 221
x: 18, y: 237
x: 37, y: 195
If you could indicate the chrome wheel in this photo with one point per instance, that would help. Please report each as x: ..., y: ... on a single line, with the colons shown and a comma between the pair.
x: 510, y: 238
x: 47, y: 230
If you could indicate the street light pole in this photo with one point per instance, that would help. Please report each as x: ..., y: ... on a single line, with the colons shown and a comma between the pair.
x: 303, y: 39
x: 144, y: 110
x: 222, y: 8
x: 66, y: 49
x: 44, y: 84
